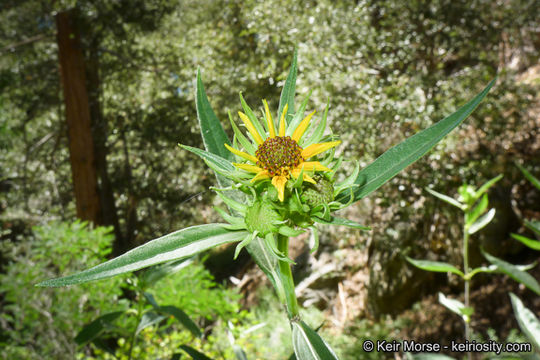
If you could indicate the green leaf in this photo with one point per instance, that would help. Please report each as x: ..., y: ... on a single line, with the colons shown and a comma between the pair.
x: 213, y: 135
x: 211, y: 130
x: 486, y: 186
x: 220, y: 165
x: 288, y: 91
x: 533, y: 244
x: 248, y: 145
x: 91, y: 331
x: 148, y: 319
x: 407, y: 152
x: 239, y: 353
x: 297, y: 118
x: 194, y: 353
x: 174, y: 246
x: 435, y: 266
x: 482, y: 222
x: 156, y: 273
x: 343, y: 222
x: 267, y: 261
x: 445, y: 198
x: 456, y: 306
x: 529, y: 176
x: 515, y: 273
x: 527, y: 321
x: 182, y: 317
x: 534, y: 225
x: 308, y: 345
x: 317, y: 134
x: 472, y: 215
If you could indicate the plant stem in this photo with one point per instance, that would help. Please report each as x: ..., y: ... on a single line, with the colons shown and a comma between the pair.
x: 287, y: 279
x: 139, y: 316
x: 467, y: 283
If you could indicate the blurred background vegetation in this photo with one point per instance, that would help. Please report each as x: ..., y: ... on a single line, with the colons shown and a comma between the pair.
x: 388, y: 69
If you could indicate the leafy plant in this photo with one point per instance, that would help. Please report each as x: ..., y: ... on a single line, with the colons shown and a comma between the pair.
x: 40, y: 323
x: 473, y: 203
x: 279, y: 187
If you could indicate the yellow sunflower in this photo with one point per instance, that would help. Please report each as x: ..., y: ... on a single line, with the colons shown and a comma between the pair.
x: 277, y: 156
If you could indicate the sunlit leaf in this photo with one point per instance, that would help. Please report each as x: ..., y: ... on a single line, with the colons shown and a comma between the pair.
x: 435, y: 266
x: 446, y: 198
x: 486, y: 186
x: 407, y: 152
x: 527, y: 321
x: 456, y: 306
x: 308, y: 345
x: 514, y: 272
x: 288, y: 91
x: 482, y: 222
x: 533, y: 244
x: 174, y: 246
x: 472, y: 215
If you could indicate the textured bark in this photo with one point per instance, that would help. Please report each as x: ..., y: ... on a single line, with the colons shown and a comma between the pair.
x: 81, y: 145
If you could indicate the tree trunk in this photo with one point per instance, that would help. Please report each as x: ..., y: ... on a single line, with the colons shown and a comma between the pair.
x: 81, y: 144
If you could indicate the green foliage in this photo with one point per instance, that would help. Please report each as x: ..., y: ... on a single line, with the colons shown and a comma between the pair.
x: 36, y: 322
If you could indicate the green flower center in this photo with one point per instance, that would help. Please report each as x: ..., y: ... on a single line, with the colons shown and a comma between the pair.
x: 279, y: 154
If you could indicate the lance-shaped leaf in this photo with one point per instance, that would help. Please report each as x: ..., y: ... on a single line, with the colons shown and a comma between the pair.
x: 529, y: 176
x: 446, y: 198
x: 308, y: 345
x: 195, y: 355
x: 182, y: 317
x: 533, y: 244
x: 267, y: 261
x: 174, y: 246
x: 213, y: 135
x: 435, y: 266
x: 340, y: 221
x: 456, y: 306
x: 527, y: 321
x: 148, y: 319
x: 288, y: 91
x: 220, y: 165
x: 482, y: 222
x: 405, y: 153
x: 486, y: 186
x: 95, y: 328
x: 514, y: 272
x: 211, y: 129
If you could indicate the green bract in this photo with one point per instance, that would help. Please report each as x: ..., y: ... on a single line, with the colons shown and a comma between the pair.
x: 277, y: 180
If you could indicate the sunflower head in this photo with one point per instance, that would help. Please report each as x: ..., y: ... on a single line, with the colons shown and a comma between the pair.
x: 280, y: 154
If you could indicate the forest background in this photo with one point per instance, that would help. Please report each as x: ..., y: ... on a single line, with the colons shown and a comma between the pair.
x: 388, y: 69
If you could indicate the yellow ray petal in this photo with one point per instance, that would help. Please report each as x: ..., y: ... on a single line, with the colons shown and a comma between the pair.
x: 248, y: 167
x: 242, y: 154
x: 282, y: 121
x: 296, y: 173
x: 315, y: 149
x: 301, y: 129
x: 279, y: 183
x: 314, y: 166
x: 309, y: 179
x: 269, y: 121
x: 263, y: 174
x: 256, y: 136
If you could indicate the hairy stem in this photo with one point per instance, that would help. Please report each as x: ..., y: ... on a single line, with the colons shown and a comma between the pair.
x: 287, y: 279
